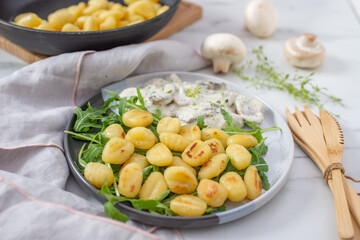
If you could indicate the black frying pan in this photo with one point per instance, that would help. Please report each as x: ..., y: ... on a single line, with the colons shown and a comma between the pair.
x: 53, y: 43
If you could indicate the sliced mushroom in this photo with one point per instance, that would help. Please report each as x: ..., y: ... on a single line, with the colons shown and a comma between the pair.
x: 249, y: 109
x: 162, y: 94
x: 304, y: 51
x: 211, y: 85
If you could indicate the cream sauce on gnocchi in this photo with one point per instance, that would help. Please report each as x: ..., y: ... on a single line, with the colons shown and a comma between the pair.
x: 188, y: 100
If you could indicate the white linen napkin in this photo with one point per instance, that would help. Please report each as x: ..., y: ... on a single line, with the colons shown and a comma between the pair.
x: 36, y: 103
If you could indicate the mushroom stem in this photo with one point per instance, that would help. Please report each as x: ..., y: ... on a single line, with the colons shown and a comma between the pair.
x: 221, y: 64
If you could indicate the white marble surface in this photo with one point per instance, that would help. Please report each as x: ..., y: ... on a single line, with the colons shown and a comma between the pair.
x: 304, y: 208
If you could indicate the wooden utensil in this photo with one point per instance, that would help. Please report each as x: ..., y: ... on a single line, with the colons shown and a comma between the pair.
x: 335, y: 142
x: 353, y: 199
x: 307, y: 127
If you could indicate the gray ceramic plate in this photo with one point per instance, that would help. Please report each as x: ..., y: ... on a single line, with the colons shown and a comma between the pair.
x: 279, y: 158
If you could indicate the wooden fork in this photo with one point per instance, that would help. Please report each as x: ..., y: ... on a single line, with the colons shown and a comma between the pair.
x: 307, y: 127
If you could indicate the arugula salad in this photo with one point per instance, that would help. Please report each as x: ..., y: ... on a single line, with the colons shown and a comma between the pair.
x: 160, y: 165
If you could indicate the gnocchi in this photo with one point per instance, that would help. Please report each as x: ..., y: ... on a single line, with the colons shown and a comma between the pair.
x: 174, y: 141
x: 240, y: 157
x: 191, y: 132
x: 180, y: 180
x: 137, y: 118
x: 168, y: 125
x: 214, y: 167
x: 141, y: 138
x: 234, y: 185
x: 95, y: 15
x: 196, y: 154
x: 114, y: 130
x: 159, y: 155
x: 96, y: 174
x: 252, y: 182
x: 117, y: 151
x: 216, y: 146
x: 153, y: 186
x: 212, y: 192
x: 209, y: 133
x: 130, y: 179
x: 188, y: 206
x: 59, y: 18
x: 243, y: 140
x: 179, y: 162
x: 137, y: 158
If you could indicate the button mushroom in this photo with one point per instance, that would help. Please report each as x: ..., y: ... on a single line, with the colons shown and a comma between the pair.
x: 261, y: 18
x: 224, y: 50
x: 304, y: 51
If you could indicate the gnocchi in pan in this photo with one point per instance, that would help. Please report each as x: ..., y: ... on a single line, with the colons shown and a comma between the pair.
x: 186, y: 170
x: 94, y: 15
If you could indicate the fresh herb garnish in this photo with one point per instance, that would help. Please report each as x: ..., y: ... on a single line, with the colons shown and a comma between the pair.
x: 302, y: 88
x: 231, y: 129
x: 192, y: 92
x: 200, y: 122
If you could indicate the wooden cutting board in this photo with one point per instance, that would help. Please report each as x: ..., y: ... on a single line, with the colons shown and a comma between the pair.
x: 186, y: 14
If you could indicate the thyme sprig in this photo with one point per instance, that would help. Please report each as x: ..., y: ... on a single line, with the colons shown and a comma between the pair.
x: 302, y: 88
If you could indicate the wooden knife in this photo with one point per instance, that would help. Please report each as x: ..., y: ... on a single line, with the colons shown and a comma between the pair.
x: 335, y: 144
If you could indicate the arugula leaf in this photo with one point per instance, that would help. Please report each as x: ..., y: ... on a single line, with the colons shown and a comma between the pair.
x: 258, y: 152
x: 140, y: 97
x: 200, y: 122
x: 163, y: 195
x: 110, y: 100
x: 251, y: 125
x: 211, y: 210
x: 140, y: 204
x: 231, y: 168
x: 112, y: 118
x: 114, y: 213
x: 84, y: 136
x: 228, y: 119
x: 148, y: 170
x: 264, y: 181
x: 122, y: 106
x: 88, y: 118
x: 93, y: 153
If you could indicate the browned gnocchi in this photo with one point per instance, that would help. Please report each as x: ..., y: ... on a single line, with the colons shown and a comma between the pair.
x: 93, y: 16
x: 96, y: 174
x: 117, y: 151
x: 197, y: 153
x: 188, y: 206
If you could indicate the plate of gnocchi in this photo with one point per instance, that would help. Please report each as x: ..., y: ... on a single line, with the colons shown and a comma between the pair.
x: 178, y: 149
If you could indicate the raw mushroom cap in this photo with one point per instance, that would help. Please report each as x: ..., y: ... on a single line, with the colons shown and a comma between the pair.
x: 224, y: 50
x: 304, y: 51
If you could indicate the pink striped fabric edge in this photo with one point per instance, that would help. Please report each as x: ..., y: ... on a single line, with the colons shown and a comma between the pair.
x: 77, y: 76
x: 76, y: 212
x: 34, y: 145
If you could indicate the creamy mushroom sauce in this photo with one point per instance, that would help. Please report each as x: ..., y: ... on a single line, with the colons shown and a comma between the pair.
x: 188, y: 100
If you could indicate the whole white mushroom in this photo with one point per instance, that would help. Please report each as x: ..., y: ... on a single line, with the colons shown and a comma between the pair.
x: 261, y: 18
x: 304, y: 51
x: 224, y: 50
